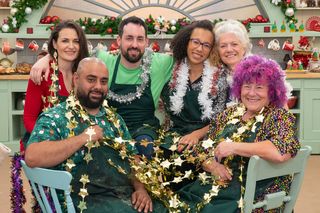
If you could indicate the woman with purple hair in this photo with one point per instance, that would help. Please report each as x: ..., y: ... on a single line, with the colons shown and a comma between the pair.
x: 257, y: 125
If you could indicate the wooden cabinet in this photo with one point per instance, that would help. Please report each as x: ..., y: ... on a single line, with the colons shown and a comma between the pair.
x: 312, y: 112
x: 307, y: 109
x: 11, y: 125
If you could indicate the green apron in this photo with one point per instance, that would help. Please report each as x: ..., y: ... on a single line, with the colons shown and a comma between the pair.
x: 137, y: 113
x: 189, y: 119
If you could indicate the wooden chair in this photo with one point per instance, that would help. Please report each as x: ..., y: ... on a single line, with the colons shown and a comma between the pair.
x: 41, y: 179
x: 259, y: 169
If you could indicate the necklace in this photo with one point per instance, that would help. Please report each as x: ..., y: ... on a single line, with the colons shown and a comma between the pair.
x: 209, y: 88
x: 144, y: 76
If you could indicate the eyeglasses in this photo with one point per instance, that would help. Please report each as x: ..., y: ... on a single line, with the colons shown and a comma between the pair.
x: 196, y: 43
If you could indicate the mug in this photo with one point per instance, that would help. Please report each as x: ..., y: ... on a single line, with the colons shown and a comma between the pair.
x: 90, y: 47
x: 19, y: 44
x: 45, y: 46
x: 274, y: 45
x: 287, y: 45
x: 6, y: 49
x: 33, y: 46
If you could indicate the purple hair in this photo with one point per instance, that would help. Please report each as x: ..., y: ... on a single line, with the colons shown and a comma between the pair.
x: 259, y: 69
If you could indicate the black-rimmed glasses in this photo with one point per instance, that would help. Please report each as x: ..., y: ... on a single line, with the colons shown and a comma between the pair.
x: 196, y: 43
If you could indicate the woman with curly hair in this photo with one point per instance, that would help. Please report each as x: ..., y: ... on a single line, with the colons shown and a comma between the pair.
x: 257, y: 125
x: 198, y: 88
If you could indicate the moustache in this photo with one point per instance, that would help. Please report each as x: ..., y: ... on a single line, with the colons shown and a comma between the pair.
x: 133, y: 48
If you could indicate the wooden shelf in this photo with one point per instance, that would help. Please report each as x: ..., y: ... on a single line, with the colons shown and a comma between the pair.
x: 308, y: 8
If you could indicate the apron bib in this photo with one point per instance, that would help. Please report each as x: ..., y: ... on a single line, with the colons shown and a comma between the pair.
x: 138, y: 112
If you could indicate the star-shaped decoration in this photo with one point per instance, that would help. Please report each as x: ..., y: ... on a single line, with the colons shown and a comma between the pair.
x: 165, y: 164
x: 54, y: 77
x: 207, y: 143
x: 144, y: 143
x: 259, y: 118
x: 83, y: 192
x: 173, y: 147
x: 70, y: 164
x: 174, y: 202
x: 82, y: 206
x: 187, y: 174
x: 177, y: 180
x: 240, y: 203
x: 89, y: 144
x: 203, y: 177
x: 119, y: 140
x: 84, y: 179
x: 88, y: 157
x: 90, y: 132
x: 178, y: 161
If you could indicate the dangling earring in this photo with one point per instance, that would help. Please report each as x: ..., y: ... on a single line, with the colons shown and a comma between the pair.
x: 55, y: 56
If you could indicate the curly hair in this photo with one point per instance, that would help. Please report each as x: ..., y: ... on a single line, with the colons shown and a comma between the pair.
x: 256, y: 69
x: 179, y: 43
x: 83, y: 43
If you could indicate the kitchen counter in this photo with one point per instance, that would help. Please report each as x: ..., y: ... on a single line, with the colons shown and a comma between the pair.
x: 14, y: 77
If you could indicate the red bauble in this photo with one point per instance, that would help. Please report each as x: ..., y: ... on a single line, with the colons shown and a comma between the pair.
x: 114, y: 46
x: 259, y: 18
x: 249, y: 20
x: 52, y: 28
x: 155, y: 47
x: 55, y: 19
x: 112, y: 18
x: 109, y: 30
x: 288, y: 1
x: 149, y: 20
x: 245, y: 22
x: 47, y: 19
x: 264, y: 20
x: 42, y: 21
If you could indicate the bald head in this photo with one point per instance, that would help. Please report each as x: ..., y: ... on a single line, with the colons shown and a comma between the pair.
x: 91, y: 82
x: 87, y: 62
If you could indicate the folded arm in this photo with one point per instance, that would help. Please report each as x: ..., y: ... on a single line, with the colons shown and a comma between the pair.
x: 51, y: 153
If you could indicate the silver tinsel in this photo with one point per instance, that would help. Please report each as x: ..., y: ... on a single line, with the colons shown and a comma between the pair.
x: 144, y: 76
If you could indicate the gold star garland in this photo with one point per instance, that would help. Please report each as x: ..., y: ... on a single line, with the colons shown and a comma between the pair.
x: 75, y: 110
x: 153, y: 172
x: 52, y: 99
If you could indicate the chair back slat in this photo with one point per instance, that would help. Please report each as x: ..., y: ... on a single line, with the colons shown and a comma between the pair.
x: 37, y: 194
x: 42, y: 179
x: 55, y: 200
x: 260, y: 169
x: 44, y: 199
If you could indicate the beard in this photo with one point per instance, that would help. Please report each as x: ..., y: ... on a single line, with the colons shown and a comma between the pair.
x: 88, y: 102
x: 132, y: 59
